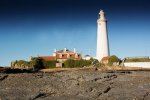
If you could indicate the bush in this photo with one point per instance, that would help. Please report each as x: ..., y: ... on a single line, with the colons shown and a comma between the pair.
x: 41, y: 63
x: 20, y: 64
x: 49, y: 64
x: 98, y: 64
x: 113, y: 59
x: 37, y: 63
x: 70, y: 63
x: 138, y: 60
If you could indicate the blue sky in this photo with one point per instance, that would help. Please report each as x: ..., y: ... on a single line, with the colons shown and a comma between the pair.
x: 37, y: 27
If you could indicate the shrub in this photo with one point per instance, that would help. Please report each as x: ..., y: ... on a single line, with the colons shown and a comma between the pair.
x: 138, y: 60
x: 21, y: 63
x: 94, y: 61
x: 49, y: 64
x: 37, y: 63
x: 99, y: 64
x: 70, y: 63
x: 113, y: 59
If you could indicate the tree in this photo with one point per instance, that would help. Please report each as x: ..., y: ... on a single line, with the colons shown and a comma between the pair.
x: 113, y: 59
x: 36, y: 63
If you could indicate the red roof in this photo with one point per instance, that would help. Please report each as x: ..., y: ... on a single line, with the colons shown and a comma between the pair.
x: 48, y: 57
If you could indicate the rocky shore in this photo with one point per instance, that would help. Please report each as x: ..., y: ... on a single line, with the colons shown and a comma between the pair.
x: 76, y: 85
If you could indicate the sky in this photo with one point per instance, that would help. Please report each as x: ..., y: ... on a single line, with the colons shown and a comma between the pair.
x: 37, y: 27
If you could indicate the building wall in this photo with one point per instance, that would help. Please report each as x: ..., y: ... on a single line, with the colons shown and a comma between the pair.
x: 67, y: 56
x: 137, y: 64
x: 87, y: 58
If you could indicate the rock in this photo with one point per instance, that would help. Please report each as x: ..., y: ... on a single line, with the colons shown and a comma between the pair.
x: 107, y: 89
x: 74, y: 85
x: 2, y: 77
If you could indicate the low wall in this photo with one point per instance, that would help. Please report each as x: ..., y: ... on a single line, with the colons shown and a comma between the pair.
x: 137, y: 64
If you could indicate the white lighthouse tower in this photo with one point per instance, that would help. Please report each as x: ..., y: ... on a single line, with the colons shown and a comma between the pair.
x: 102, y: 37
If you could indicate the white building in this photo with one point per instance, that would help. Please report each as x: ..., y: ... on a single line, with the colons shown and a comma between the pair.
x: 87, y: 57
x: 102, y: 37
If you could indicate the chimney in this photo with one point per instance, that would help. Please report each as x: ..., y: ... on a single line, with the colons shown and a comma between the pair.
x: 54, y: 53
x: 74, y: 50
x: 55, y: 50
x: 65, y: 49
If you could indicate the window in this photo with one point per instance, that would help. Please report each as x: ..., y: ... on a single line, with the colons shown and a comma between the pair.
x: 62, y: 55
x: 78, y: 56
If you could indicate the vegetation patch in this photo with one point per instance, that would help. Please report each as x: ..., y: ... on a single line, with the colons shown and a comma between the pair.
x: 35, y: 63
x: 138, y: 60
x: 70, y: 63
x: 113, y: 59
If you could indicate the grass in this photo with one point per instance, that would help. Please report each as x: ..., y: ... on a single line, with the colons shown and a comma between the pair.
x: 138, y: 60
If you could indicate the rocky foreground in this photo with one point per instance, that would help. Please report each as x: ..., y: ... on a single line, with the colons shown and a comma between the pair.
x: 76, y: 85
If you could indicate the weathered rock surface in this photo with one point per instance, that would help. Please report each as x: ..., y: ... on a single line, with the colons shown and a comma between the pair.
x: 76, y: 85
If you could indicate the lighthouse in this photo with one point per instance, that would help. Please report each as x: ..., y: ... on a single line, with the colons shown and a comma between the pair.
x: 102, y: 37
